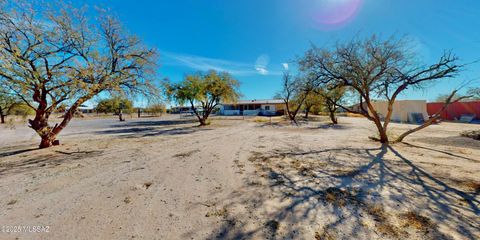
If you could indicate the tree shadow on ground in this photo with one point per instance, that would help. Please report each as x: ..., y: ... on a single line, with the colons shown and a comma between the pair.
x: 152, y: 128
x: 441, y: 151
x: 331, y: 126
x: 363, y: 193
x: 45, y: 161
x: 456, y: 141
x: 8, y: 152
x: 155, y: 123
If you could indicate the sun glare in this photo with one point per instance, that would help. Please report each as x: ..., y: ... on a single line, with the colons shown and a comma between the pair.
x: 335, y: 13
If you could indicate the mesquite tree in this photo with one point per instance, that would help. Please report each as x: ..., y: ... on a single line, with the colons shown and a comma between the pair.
x: 294, y: 92
x: 207, y: 90
x: 312, y: 102
x: 7, y: 103
x: 375, y: 68
x: 331, y: 99
x: 57, y: 56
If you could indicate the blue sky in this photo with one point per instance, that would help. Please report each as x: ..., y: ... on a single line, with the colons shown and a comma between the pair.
x: 253, y: 39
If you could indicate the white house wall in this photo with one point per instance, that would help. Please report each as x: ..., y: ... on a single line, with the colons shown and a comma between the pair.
x: 402, y: 109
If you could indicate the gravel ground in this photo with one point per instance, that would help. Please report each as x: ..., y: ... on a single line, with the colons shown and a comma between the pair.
x: 166, y: 178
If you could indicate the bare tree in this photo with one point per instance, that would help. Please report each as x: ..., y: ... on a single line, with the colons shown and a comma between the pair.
x: 474, y: 92
x: 375, y: 69
x: 58, y: 56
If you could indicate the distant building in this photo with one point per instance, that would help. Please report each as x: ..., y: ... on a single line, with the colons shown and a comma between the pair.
x: 403, y: 110
x: 86, y: 109
x: 455, y: 111
x: 180, y: 109
x: 269, y: 107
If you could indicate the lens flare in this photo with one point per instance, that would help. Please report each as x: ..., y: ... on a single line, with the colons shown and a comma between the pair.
x: 335, y: 13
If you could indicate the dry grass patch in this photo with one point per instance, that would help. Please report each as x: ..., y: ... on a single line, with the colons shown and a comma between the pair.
x: 415, y: 220
x: 222, y: 212
x: 383, y: 225
x: 325, y: 234
x: 341, y: 198
x: 471, y: 185
x: 346, y: 172
x: 186, y: 154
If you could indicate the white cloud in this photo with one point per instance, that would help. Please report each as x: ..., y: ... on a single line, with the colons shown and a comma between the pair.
x: 201, y: 63
x: 285, y: 66
x: 261, y: 64
x: 262, y: 70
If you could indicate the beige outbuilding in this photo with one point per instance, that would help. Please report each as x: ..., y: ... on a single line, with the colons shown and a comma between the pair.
x: 403, y: 110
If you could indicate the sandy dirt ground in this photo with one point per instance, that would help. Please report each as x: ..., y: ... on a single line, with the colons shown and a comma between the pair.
x: 166, y: 178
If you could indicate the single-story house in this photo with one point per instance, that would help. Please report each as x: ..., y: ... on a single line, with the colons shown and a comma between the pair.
x: 404, y: 110
x: 455, y: 111
x: 180, y: 109
x: 86, y: 109
x: 270, y: 107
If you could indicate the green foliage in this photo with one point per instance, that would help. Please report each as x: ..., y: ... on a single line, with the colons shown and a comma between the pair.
x: 155, y: 109
x: 206, y: 90
x: 114, y: 104
x: 54, y: 53
x: 22, y: 109
x: 313, y: 103
x: 7, y: 102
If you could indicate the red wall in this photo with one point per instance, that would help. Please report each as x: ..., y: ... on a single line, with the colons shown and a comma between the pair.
x: 455, y: 110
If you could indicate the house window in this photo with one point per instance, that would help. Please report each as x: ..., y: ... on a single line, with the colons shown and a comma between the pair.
x: 267, y: 108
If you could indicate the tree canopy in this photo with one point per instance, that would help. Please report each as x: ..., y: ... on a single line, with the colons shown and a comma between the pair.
x: 375, y: 68
x: 206, y: 90
x: 114, y: 104
x: 8, y: 102
x: 57, y: 55
x: 295, y: 90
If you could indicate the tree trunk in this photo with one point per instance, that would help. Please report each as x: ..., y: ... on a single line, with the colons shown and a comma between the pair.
x: 120, y: 116
x: 382, y: 132
x: 292, y: 116
x: 203, y: 122
x: 307, y: 110
x: 405, y: 134
x: 332, y: 117
x: 2, y: 116
x: 47, y: 140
